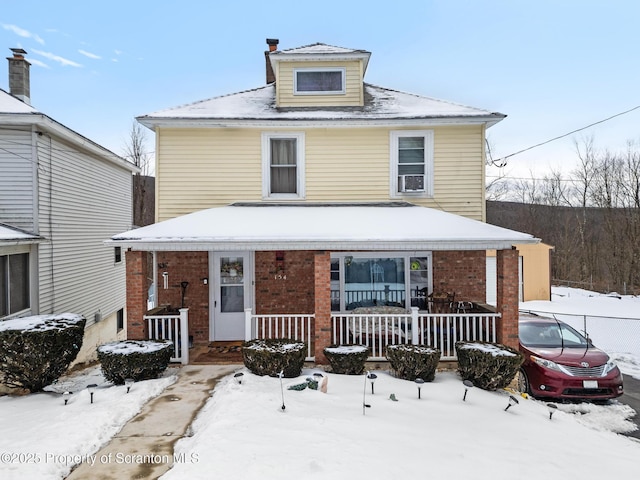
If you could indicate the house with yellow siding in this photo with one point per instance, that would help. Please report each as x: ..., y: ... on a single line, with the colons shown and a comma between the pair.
x: 323, y: 208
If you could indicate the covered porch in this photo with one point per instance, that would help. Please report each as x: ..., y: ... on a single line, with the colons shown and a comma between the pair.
x: 299, y: 271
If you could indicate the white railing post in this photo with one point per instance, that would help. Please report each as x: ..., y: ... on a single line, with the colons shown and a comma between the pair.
x: 248, y: 333
x: 414, y: 326
x: 184, y: 335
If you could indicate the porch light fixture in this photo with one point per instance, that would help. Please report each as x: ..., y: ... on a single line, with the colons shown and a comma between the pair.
x: 365, y: 405
x: 467, y: 385
x: 281, y: 374
x: 553, y: 408
x: 165, y: 280
x: 372, y: 378
x: 66, y: 396
x: 512, y: 401
x: 92, y: 387
x: 238, y: 377
x: 419, y: 383
x: 128, y: 382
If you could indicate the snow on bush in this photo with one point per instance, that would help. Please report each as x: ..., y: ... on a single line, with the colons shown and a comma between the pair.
x: 37, y: 350
x: 134, y: 359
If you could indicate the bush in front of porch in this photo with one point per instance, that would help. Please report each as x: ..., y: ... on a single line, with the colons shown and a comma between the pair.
x: 489, y: 366
x: 413, y: 361
x: 347, y: 359
x: 36, y: 350
x: 134, y: 359
x: 274, y: 355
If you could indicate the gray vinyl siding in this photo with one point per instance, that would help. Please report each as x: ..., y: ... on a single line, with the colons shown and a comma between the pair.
x: 17, y: 178
x: 84, y: 200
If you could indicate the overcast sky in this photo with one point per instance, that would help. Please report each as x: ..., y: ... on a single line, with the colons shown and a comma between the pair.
x: 551, y: 66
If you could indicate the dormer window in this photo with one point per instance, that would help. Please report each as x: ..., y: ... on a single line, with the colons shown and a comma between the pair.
x: 319, y: 81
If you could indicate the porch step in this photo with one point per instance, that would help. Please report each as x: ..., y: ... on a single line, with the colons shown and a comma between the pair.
x: 218, y: 353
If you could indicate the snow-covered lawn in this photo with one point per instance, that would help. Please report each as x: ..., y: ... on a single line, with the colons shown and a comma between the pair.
x: 243, y: 432
x: 42, y: 438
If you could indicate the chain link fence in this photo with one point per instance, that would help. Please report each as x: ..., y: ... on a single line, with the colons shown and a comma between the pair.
x: 611, y: 334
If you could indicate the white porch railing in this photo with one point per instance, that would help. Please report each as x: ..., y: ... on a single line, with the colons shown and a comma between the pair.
x: 377, y: 331
x: 294, y: 326
x: 174, y: 328
x: 440, y: 331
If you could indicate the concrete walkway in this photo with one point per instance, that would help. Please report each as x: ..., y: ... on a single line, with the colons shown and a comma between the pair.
x: 154, y: 431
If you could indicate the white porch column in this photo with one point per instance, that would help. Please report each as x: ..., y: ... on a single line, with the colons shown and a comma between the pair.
x: 184, y: 335
x: 414, y: 325
x: 248, y: 334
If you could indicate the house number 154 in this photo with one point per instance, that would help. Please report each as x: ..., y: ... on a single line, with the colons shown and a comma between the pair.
x: 279, y: 276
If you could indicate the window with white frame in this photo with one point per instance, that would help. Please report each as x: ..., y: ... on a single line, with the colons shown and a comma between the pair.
x: 364, y: 279
x: 318, y: 81
x: 283, y: 165
x: 411, y: 159
x: 14, y: 283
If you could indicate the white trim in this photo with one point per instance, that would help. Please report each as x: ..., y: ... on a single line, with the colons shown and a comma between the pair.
x: 214, y: 285
x: 343, y: 82
x: 161, y: 122
x: 266, y: 166
x: 394, y: 137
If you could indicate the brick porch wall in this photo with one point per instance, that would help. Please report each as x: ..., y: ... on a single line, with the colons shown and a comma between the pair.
x: 192, y: 267
x: 462, y: 272
x: 322, y: 281
x: 284, y: 286
x: 136, y: 268
x: 507, y: 297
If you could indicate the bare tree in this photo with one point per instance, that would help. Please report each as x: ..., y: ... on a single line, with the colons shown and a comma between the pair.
x: 143, y: 186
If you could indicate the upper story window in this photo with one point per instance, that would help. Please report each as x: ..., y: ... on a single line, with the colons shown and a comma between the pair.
x: 283, y: 165
x: 411, y: 159
x: 14, y: 283
x: 318, y: 81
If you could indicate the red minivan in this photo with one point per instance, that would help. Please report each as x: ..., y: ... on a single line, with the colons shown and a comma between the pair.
x: 561, y: 363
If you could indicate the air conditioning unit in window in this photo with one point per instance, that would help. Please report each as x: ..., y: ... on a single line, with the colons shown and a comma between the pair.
x: 411, y: 183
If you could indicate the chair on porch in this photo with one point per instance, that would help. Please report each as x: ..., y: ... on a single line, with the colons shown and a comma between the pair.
x: 442, y: 302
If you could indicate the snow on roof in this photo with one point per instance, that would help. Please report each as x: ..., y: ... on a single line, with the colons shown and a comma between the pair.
x: 11, y: 109
x: 263, y: 226
x: 318, y: 48
x: 10, y: 234
x: 10, y: 104
x: 380, y: 104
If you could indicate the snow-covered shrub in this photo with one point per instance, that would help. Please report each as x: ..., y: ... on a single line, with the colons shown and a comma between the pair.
x: 274, y: 355
x: 413, y: 361
x: 347, y: 359
x: 37, y: 350
x: 489, y: 366
x: 135, y: 359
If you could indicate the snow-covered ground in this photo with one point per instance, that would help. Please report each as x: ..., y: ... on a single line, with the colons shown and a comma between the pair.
x: 243, y: 431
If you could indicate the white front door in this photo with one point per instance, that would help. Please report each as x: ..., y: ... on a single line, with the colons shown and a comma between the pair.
x: 230, y: 295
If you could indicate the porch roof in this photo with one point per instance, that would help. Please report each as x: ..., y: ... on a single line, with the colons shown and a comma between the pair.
x: 10, y: 236
x: 309, y: 226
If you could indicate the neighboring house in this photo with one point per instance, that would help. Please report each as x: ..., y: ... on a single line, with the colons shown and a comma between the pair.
x: 61, y: 195
x: 535, y: 273
x: 286, y: 209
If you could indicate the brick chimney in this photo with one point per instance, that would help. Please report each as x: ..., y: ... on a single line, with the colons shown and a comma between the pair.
x: 19, y: 76
x: 273, y: 46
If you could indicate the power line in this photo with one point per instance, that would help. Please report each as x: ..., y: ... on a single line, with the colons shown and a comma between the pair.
x: 501, y: 162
